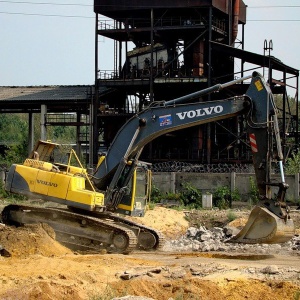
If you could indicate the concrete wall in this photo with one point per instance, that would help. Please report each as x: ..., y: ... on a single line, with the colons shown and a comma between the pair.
x: 208, y: 182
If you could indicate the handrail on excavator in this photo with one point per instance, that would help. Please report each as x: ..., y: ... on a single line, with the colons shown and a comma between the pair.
x: 209, y: 90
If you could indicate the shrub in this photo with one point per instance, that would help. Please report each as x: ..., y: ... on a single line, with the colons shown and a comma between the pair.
x: 156, y: 194
x: 292, y: 165
x: 222, y: 197
x: 254, y: 194
x: 9, y: 196
x: 231, y: 216
x: 191, y: 196
x: 235, y: 195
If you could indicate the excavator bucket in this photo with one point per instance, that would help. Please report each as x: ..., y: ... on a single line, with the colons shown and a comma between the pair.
x: 264, y: 227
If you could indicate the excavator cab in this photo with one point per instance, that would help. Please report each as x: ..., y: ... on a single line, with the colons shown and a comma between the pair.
x: 135, y: 200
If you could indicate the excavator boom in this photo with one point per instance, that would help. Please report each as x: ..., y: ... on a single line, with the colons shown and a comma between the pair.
x: 270, y: 221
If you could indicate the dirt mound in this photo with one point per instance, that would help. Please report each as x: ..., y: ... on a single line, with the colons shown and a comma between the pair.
x: 24, y: 241
x: 41, y: 291
x: 238, y: 223
x: 40, y: 268
x: 193, y: 288
x: 170, y: 222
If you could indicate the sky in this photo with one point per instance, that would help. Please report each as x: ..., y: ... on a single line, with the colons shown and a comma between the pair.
x: 51, y: 42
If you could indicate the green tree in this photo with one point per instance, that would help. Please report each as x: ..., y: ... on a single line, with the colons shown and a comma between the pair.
x: 222, y: 197
x: 13, y: 129
x: 191, y: 196
x: 292, y: 165
x: 13, y: 135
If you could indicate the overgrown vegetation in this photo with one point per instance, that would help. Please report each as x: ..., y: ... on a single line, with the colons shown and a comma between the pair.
x: 191, y: 198
x: 253, y: 192
x: 292, y: 165
x: 14, y: 136
x: 10, y: 197
x: 222, y: 197
x: 156, y: 194
x: 297, y: 295
x: 231, y: 216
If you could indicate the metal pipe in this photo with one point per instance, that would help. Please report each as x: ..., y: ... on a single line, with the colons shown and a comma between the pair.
x: 297, y: 111
x: 278, y: 146
x: 43, y: 122
x: 281, y: 171
x: 235, y: 21
x: 230, y: 22
x: 284, y: 102
x: 93, y: 130
x: 209, y: 49
x: 214, y: 88
x: 151, y: 59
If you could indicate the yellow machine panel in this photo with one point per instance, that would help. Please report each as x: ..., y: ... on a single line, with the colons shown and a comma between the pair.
x: 33, y: 163
x: 58, y: 183
x: 43, y: 182
x: 29, y: 175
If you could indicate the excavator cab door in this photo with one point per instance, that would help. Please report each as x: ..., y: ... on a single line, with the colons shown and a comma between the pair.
x: 134, y: 202
x: 142, y: 190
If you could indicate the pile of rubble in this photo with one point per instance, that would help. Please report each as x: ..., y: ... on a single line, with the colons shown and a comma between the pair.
x: 203, y: 240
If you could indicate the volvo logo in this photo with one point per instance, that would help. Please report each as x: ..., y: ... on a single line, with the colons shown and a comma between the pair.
x: 48, y: 183
x: 200, y: 112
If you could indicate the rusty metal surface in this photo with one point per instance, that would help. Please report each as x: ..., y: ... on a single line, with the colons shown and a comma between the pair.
x: 113, y: 8
x: 254, y: 58
x: 113, y: 5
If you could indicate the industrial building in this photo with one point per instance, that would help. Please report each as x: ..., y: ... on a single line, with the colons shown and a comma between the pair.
x: 163, y: 50
x: 166, y: 49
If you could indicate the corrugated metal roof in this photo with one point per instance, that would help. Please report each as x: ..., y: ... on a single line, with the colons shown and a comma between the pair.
x: 254, y: 58
x: 45, y: 93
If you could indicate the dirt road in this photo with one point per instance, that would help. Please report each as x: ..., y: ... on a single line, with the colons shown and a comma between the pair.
x: 158, y: 276
x: 40, y: 268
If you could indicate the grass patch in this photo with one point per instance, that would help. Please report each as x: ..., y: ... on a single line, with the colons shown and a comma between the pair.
x: 231, y: 215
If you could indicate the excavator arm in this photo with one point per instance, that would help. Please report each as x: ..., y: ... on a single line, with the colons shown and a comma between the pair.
x: 269, y: 221
x: 163, y: 117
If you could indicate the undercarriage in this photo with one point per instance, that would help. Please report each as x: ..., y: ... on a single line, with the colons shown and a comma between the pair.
x: 95, y: 232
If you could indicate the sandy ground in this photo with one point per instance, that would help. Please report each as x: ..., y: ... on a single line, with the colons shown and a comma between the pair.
x: 40, y: 268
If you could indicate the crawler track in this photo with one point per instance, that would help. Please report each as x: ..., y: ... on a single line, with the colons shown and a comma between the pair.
x: 148, y: 238
x: 75, y: 231
x: 83, y: 232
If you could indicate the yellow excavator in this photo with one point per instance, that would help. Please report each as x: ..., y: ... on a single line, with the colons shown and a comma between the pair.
x: 92, y: 204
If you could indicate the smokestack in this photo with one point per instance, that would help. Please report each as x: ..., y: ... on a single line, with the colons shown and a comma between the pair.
x: 235, y: 21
